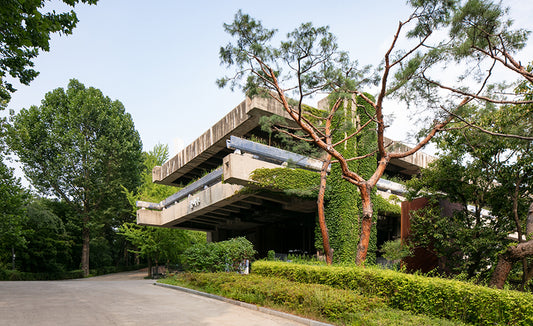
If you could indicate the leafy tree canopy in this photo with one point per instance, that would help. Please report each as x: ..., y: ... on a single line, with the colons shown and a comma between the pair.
x: 26, y: 28
x: 486, y: 172
x: 79, y: 146
x: 12, y: 215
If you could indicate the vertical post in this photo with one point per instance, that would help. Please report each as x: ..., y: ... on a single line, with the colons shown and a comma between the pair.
x: 13, y: 258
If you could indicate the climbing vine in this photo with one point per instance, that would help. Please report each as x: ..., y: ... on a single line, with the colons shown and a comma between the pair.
x: 298, y: 182
x: 343, y: 202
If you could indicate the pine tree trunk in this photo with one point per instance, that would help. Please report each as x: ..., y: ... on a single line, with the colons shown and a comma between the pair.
x: 321, y: 213
x: 366, y: 225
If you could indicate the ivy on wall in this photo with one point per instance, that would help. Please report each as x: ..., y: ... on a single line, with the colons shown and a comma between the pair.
x: 343, y: 201
x: 299, y: 182
x: 384, y: 207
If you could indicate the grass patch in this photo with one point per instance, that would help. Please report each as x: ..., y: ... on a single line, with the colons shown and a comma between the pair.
x: 315, y: 301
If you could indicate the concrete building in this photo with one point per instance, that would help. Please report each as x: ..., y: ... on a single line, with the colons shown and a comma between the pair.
x: 234, y: 207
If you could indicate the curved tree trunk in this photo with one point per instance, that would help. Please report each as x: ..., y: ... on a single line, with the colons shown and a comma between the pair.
x: 321, y: 214
x: 366, y: 225
x: 512, y: 255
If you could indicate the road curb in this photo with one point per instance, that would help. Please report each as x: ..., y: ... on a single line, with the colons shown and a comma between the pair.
x: 269, y: 311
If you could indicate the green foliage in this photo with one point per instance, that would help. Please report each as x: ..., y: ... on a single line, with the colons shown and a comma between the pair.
x: 384, y: 207
x: 160, y: 244
x: 315, y: 301
x: 272, y: 124
x: 80, y: 146
x: 298, y: 182
x: 218, y: 256
x: 48, y: 248
x: 483, y: 171
x: 154, y: 243
x: 484, y: 25
x: 343, y: 200
x: 12, y: 215
x: 396, y: 250
x: 462, y: 245
x: 271, y: 255
x: 10, y: 275
x: 149, y: 191
x: 319, y: 301
x: 26, y: 30
x: 312, y: 50
x: 422, y: 295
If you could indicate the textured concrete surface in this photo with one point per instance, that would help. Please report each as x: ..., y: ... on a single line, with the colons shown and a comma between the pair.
x: 120, y: 299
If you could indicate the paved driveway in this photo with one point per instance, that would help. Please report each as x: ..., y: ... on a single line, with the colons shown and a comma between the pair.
x: 120, y: 299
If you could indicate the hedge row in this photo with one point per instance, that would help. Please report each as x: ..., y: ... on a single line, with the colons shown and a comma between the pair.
x: 421, y: 295
x: 10, y: 275
x: 318, y: 300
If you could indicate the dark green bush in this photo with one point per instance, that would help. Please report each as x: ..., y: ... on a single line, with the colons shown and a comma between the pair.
x: 422, y: 295
x: 10, y: 275
x: 218, y: 256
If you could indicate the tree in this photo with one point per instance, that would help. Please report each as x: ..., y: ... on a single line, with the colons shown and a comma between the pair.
x: 26, y: 30
x: 486, y: 172
x: 48, y: 247
x: 13, y: 199
x: 12, y: 217
x: 309, y: 61
x: 79, y: 146
x: 156, y: 244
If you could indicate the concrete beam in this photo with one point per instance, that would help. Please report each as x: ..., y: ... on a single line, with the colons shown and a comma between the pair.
x: 237, y: 168
x: 237, y: 122
x: 273, y: 154
x: 206, y: 181
x: 220, y: 194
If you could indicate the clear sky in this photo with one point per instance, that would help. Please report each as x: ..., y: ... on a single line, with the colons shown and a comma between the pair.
x: 160, y: 58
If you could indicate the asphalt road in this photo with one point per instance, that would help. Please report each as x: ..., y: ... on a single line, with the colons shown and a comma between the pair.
x: 119, y: 299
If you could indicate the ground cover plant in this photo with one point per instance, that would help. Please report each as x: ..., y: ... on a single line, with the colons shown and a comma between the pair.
x: 316, y: 301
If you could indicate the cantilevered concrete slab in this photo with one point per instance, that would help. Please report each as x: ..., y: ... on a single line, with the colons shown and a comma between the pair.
x: 207, y: 151
x: 223, y: 205
x: 229, y: 204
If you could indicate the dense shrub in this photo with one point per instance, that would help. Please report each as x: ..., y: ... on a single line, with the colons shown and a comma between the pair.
x: 14, y: 275
x: 218, y: 256
x: 422, y: 295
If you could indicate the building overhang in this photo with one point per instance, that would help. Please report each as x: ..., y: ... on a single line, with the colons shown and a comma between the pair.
x: 228, y: 198
x: 207, y: 151
x: 235, y: 203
